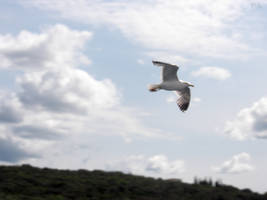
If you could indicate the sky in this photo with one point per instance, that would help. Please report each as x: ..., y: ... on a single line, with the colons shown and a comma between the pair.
x: 74, y: 87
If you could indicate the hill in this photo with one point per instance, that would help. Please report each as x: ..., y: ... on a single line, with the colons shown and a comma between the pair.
x: 30, y: 183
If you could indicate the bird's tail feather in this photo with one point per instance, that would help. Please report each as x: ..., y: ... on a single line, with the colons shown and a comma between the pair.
x: 153, y: 87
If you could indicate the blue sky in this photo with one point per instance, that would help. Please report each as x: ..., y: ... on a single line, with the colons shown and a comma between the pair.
x: 74, y: 77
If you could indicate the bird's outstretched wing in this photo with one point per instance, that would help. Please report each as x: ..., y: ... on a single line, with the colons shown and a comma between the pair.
x: 169, y: 71
x: 184, y: 99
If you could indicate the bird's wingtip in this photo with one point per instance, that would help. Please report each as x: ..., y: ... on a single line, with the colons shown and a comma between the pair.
x: 160, y: 63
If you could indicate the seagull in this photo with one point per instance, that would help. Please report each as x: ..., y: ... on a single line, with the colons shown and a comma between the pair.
x: 171, y: 82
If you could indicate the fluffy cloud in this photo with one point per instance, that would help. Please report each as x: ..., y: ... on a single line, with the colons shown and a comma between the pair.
x: 250, y: 122
x: 140, y: 61
x: 161, y: 164
x: 196, y: 100
x: 237, y: 164
x: 10, y: 108
x: 57, y: 105
x: 67, y: 90
x: 171, y: 99
x: 54, y: 47
x: 157, y: 165
x: 199, y: 27
x: 212, y: 72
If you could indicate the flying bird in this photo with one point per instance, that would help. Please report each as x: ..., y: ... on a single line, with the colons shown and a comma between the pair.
x: 171, y: 82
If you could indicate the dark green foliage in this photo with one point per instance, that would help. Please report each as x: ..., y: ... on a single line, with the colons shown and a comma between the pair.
x: 29, y: 183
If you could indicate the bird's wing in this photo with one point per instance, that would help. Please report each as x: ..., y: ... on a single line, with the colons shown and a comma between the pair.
x: 184, y: 99
x: 169, y: 71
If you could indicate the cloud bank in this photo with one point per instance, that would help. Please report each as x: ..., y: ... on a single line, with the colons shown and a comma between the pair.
x: 185, y: 27
x: 57, y: 102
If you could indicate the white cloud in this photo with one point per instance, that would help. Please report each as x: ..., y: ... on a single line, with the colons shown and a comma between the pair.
x: 140, y: 61
x: 212, y: 72
x: 68, y: 89
x: 250, y: 122
x: 58, y: 105
x: 171, y: 99
x: 157, y: 165
x: 199, y: 27
x: 196, y: 100
x: 56, y: 46
x: 237, y: 164
x: 10, y: 108
x: 161, y: 164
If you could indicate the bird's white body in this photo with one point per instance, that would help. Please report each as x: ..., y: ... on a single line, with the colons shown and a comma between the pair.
x: 172, y: 85
x: 171, y: 82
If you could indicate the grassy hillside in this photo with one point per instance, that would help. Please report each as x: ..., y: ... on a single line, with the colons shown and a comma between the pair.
x: 30, y: 183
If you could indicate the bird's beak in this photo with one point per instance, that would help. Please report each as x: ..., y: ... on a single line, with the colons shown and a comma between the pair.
x: 191, y: 85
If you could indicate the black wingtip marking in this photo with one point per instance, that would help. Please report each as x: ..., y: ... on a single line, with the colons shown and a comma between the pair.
x: 156, y: 62
x: 183, y: 107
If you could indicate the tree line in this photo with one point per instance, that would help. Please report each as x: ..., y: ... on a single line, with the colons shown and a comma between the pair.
x: 31, y: 183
